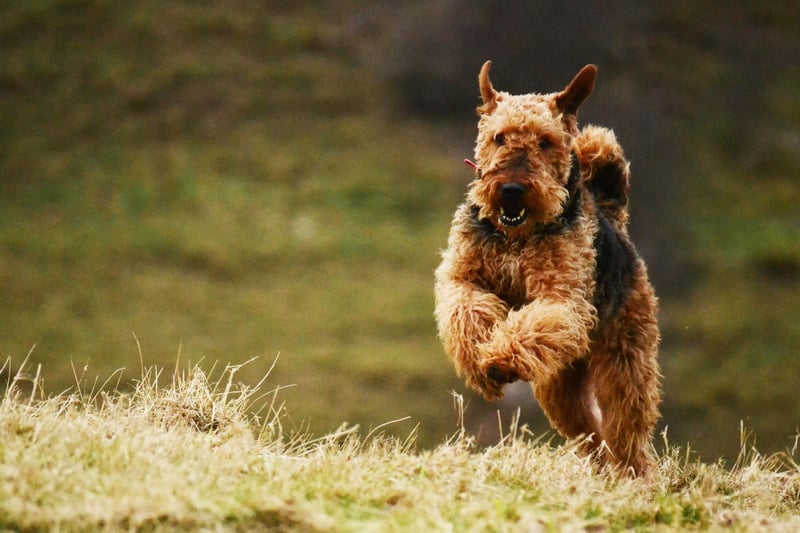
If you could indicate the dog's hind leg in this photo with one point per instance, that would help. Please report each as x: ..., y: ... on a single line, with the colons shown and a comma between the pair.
x: 624, y: 375
x: 570, y: 405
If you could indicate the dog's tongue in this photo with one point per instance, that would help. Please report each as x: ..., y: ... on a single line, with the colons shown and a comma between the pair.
x: 471, y: 164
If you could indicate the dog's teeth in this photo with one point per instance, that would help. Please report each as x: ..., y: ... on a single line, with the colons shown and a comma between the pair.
x: 521, y: 213
x: 502, y: 211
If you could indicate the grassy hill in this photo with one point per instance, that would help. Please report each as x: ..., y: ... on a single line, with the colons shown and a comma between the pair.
x: 223, y: 183
x: 238, y: 179
x: 182, y: 450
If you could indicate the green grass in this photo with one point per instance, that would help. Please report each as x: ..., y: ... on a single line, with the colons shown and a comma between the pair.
x: 736, y: 332
x: 331, y: 267
x: 194, y: 449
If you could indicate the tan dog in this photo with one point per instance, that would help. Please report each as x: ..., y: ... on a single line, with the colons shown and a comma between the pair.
x: 540, y: 280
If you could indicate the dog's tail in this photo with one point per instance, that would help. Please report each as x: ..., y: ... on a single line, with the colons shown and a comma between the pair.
x: 605, y: 172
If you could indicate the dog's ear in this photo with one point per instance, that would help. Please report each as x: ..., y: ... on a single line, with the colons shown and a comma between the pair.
x: 571, y: 98
x: 488, y: 94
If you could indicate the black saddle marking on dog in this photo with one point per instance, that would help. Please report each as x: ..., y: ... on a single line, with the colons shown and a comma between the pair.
x: 616, y: 266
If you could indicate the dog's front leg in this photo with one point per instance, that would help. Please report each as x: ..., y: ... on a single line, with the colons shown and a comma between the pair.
x: 536, y: 341
x: 466, y: 316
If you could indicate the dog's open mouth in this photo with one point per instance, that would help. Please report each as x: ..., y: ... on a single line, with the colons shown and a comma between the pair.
x: 512, y: 218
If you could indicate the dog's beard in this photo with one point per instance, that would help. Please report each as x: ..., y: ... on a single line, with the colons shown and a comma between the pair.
x: 541, y: 204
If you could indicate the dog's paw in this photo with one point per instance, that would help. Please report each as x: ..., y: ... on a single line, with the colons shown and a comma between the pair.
x: 499, y: 371
x: 490, y: 390
x: 495, y: 375
x: 484, y: 385
x: 501, y: 374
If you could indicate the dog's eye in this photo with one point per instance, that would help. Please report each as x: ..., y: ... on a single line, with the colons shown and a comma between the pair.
x: 499, y: 139
x: 545, y: 143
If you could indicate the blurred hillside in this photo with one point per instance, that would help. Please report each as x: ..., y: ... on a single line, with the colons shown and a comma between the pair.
x: 251, y: 178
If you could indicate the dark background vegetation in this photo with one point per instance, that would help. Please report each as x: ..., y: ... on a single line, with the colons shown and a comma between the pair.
x: 241, y: 178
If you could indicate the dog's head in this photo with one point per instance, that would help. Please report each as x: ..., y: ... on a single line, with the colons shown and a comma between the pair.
x: 523, y: 152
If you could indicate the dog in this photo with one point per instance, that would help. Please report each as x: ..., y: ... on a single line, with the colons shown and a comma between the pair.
x: 540, y: 280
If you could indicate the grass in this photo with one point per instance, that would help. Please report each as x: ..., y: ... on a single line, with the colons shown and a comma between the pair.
x: 736, y: 331
x: 193, y: 259
x: 196, y: 449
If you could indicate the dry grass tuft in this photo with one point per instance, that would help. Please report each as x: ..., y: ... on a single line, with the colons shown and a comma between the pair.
x: 197, y: 453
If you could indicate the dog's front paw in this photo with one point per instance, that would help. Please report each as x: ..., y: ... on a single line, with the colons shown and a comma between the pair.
x: 493, y: 375
x: 485, y: 384
x: 490, y: 390
x: 499, y: 371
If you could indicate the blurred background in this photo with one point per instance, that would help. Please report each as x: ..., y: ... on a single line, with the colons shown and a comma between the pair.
x: 245, y: 178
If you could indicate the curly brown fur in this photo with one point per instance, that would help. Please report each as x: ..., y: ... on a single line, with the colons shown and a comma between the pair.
x: 540, y: 281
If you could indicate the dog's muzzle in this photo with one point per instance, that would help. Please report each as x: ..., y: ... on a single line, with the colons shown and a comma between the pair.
x: 512, y: 210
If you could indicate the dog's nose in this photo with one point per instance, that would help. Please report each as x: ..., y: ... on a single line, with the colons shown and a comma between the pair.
x: 512, y: 191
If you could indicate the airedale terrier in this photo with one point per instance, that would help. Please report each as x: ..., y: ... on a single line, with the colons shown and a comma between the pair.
x: 541, y: 282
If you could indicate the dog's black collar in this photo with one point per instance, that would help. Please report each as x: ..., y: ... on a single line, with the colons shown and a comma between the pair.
x: 569, y: 214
